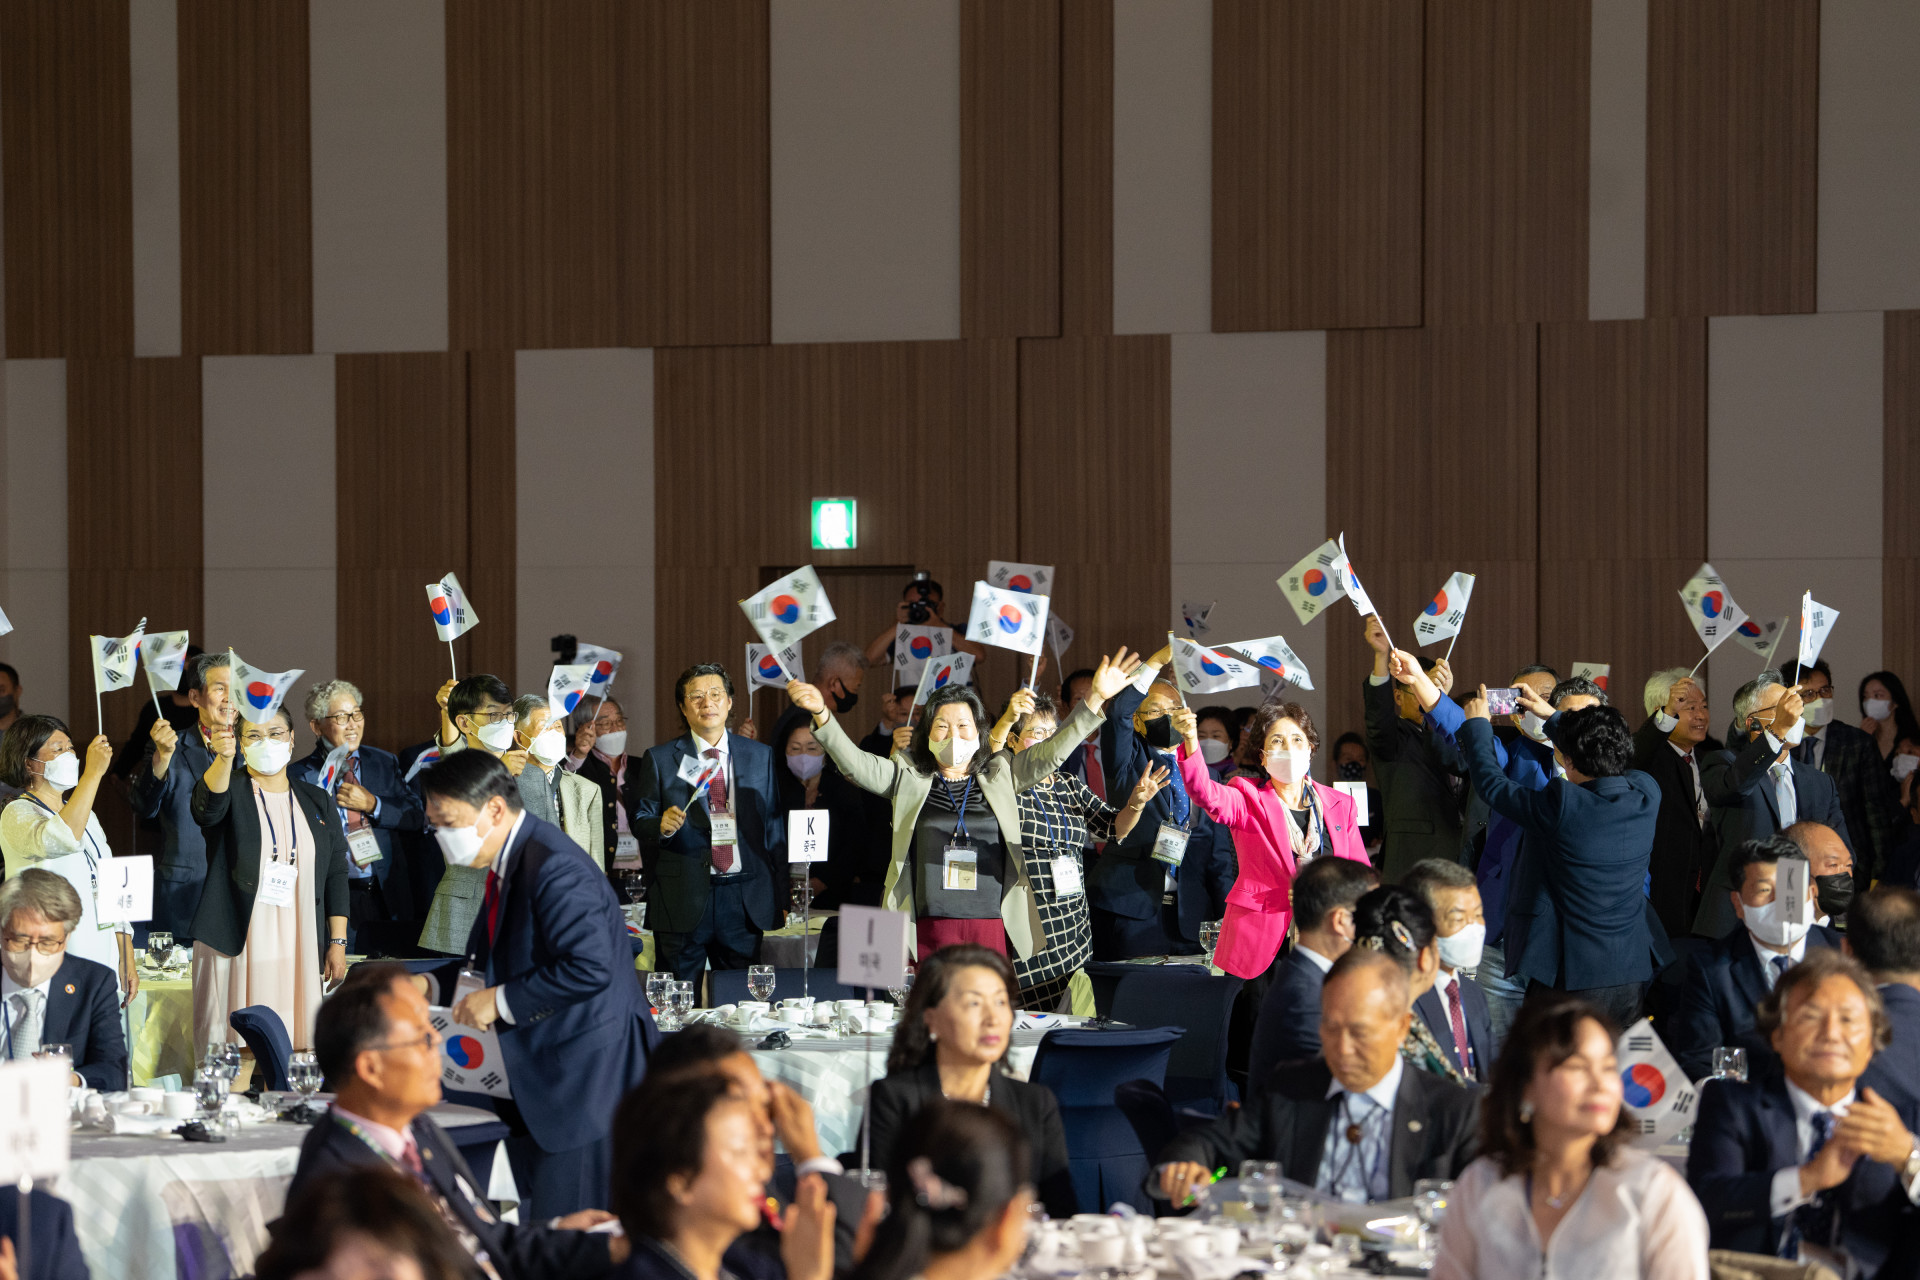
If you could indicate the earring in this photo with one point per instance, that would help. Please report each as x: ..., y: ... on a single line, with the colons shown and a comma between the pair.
x: 931, y: 1037
x: 1526, y: 1112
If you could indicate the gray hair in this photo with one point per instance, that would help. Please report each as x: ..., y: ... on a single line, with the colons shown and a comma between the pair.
x: 321, y: 696
x: 587, y: 710
x: 1747, y: 696
x: 1577, y: 686
x: 196, y: 671
x: 839, y: 656
x: 524, y: 705
x: 43, y: 893
x: 1660, y: 686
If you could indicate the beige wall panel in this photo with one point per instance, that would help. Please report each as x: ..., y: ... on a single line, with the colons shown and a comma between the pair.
x: 154, y: 42
x: 1162, y: 166
x: 35, y: 484
x: 1617, y: 162
x: 1869, y: 224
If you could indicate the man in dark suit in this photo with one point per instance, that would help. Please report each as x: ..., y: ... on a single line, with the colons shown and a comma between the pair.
x: 1851, y: 758
x: 52, y: 997
x: 374, y: 805
x: 162, y: 788
x: 1804, y: 1165
x: 1412, y: 1124
x: 1582, y: 924
x: 716, y: 861
x: 1139, y: 905
x: 1417, y: 785
x: 1725, y: 985
x: 551, y: 946
x: 380, y: 1055
x: 1454, y: 1008
x: 1883, y: 933
x: 1756, y: 788
x: 1287, y: 1027
x: 1682, y: 838
x: 53, y: 1249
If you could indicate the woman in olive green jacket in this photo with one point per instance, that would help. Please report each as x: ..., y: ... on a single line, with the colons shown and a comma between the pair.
x: 957, y: 865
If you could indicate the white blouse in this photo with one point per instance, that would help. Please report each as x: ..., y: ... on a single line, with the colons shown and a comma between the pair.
x: 1636, y: 1217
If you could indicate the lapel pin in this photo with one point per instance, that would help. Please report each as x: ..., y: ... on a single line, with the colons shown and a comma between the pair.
x: 69, y: 988
x: 1413, y: 1126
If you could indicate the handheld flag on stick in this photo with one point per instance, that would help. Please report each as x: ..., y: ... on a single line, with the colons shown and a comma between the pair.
x: 1442, y: 617
x: 1009, y: 619
x: 426, y: 759
x: 336, y: 763
x: 1711, y: 609
x: 787, y: 610
x: 914, y: 646
x: 258, y: 694
x: 1059, y: 636
x: 1028, y: 579
x: 1198, y: 669
x: 699, y: 772
x: 113, y: 658
x: 163, y: 654
x: 1274, y: 657
x: 1660, y: 1100
x: 568, y: 687
x: 955, y: 668
x: 1357, y: 593
x: 768, y: 670
x: 453, y: 617
x: 605, y: 664
x: 1315, y: 582
x: 1761, y: 637
x: 1816, y: 620
x: 1194, y: 617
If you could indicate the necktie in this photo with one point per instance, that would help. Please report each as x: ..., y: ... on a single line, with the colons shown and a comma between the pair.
x: 27, y: 1019
x: 1458, y: 1018
x: 1814, y: 1220
x: 1351, y: 1164
x: 722, y: 855
x: 355, y: 818
x: 1096, y: 776
x: 1780, y: 965
x: 1699, y: 796
x: 1784, y: 797
x: 410, y: 1157
x: 492, y: 905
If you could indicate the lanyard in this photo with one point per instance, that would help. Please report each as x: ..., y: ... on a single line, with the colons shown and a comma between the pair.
x: 93, y: 859
x: 293, y: 827
x: 960, y: 809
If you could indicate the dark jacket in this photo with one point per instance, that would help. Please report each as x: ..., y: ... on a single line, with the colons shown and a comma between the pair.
x: 1422, y: 811
x: 399, y: 811
x: 1743, y: 1135
x: 899, y: 1094
x: 183, y: 847
x: 1741, y: 793
x: 83, y: 1012
x: 1682, y: 849
x: 1435, y: 1128
x: 1432, y: 1010
x: 519, y: 1253
x: 1894, y: 1073
x: 1503, y: 851
x: 1579, y: 919
x: 1287, y: 1028
x: 1718, y: 1001
x: 1868, y: 795
x: 233, y: 860
x: 53, y: 1250
x: 596, y: 771
x: 679, y: 866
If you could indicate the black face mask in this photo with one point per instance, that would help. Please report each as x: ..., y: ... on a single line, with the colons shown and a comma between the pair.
x: 1352, y: 771
x: 1160, y: 732
x: 843, y: 702
x: 1834, y: 893
x: 6, y: 705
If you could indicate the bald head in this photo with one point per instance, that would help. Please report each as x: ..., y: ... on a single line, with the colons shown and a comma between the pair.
x: 1823, y: 846
x: 1365, y: 1012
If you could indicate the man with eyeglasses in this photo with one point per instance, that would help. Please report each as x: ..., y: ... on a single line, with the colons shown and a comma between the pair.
x: 475, y: 714
x: 48, y: 996
x: 381, y: 1057
x: 1671, y: 748
x: 162, y: 788
x: 375, y: 805
x: 599, y: 755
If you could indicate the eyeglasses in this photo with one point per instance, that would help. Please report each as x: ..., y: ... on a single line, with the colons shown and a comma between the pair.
x: 342, y: 719
x: 18, y: 942
x: 612, y: 724
x: 431, y: 1040
x: 491, y: 717
x: 269, y: 735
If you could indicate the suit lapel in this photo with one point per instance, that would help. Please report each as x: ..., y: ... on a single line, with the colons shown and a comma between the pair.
x: 1747, y: 975
x: 1310, y: 1122
x: 1408, y: 1138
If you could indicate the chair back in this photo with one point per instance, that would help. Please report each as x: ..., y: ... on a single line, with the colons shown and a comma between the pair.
x: 260, y: 1026
x: 1084, y: 1069
x: 1189, y: 997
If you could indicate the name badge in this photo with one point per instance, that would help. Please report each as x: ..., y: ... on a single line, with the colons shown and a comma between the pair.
x: 626, y: 848
x: 1066, y: 877
x: 725, y: 829
x: 960, y: 869
x: 1170, y: 846
x: 363, y: 848
x: 277, y: 881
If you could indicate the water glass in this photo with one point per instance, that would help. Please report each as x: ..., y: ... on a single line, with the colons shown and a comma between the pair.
x: 683, y: 1000
x: 760, y: 981
x: 1210, y: 937
x: 303, y: 1073
x: 1259, y: 1185
x: 1293, y: 1228
x: 899, y: 993
x: 159, y: 947
x: 56, y: 1053
x: 1729, y: 1063
x: 210, y: 1087
x: 658, y: 985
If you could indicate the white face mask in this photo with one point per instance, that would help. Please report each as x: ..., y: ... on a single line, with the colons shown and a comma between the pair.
x: 496, y: 737
x: 1462, y: 950
x: 29, y: 968
x: 1796, y: 734
x: 1905, y: 765
x: 460, y: 846
x: 954, y: 753
x: 1878, y: 708
x: 1533, y: 726
x: 1770, y: 925
x: 1817, y: 711
x: 549, y: 745
x: 805, y: 767
x: 1213, y: 751
x: 611, y: 745
x: 1288, y: 766
x: 62, y: 772
x: 267, y: 756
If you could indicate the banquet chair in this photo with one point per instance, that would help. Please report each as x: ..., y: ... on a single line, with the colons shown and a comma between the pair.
x: 266, y: 1035
x: 1189, y: 997
x: 1084, y: 1068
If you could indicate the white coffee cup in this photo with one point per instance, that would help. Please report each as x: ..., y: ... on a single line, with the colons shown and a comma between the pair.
x: 148, y: 1094
x: 179, y: 1106
x: 1102, y: 1250
x: 850, y: 1006
x: 134, y: 1107
x: 1196, y: 1244
x: 752, y: 1007
x: 797, y: 1002
x: 822, y: 1015
x: 794, y: 1015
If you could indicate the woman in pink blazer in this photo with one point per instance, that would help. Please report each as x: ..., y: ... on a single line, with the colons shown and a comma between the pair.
x: 1276, y: 826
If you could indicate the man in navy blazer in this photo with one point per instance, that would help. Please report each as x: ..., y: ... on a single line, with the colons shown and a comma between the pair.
x: 1727, y: 984
x: 561, y: 992
x: 1454, y: 1007
x: 372, y: 798
x: 80, y: 1000
x: 1287, y: 1028
x: 716, y: 861
x: 1812, y: 1164
x: 1883, y: 933
x: 1590, y: 930
x: 1755, y: 788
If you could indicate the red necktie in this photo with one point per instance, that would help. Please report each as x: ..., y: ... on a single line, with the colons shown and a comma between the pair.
x: 717, y: 803
x: 1096, y: 783
x: 355, y: 818
x: 410, y: 1157
x: 1459, y: 1020
x: 492, y: 904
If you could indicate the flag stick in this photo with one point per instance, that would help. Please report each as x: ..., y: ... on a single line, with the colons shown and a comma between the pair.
x: 1173, y: 660
x: 156, y: 696
x: 99, y: 721
x: 452, y: 662
x: 1455, y: 640
x: 1034, y: 675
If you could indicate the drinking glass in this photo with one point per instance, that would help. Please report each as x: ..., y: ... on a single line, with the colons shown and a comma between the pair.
x: 159, y: 948
x: 760, y: 980
x: 1210, y: 937
x: 683, y: 999
x: 1259, y: 1185
x: 1729, y: 1063
x: 210, y: 1089
x: 1430, y: 1196
x: 303, y: 1073
x: 899, y: 993
x: 1292, y: 1227
x: 658, y: 985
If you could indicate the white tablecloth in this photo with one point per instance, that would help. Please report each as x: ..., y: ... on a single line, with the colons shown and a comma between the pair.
x: 129, y: 1194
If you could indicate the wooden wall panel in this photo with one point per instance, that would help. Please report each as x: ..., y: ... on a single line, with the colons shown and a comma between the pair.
x: 1506, y: 160
x: 492, y: 513
x: 607, y: 173
x: 1732, y: 169
x: 67, y: 142
x: 1086, y: 167
x: 1010, y: 118
x: 1096, y: 441
x: 1432, y: 445
x: 1900, y: 570
x: 246, y: 183
x: 134, y: 511
x: 1623, y: 495
x: 1316, y: 163
x: 920, y: 433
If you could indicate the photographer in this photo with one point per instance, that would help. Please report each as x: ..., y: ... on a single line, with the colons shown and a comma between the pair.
x: 919, y: 606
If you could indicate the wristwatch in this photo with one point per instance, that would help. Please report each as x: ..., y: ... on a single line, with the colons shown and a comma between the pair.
x: 341, y: 942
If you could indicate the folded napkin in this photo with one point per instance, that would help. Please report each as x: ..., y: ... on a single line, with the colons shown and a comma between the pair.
x: 141, y: 1126
x: 1039, y: 1022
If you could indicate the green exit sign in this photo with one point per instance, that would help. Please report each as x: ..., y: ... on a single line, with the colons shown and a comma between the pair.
x: 836, y: 524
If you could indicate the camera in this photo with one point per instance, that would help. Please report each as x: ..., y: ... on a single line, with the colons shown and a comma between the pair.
x: 919, y: 610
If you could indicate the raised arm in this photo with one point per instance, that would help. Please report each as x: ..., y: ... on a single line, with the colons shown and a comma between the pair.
x: 868, y: 771
x: 1535, y: 810
x: 1032, y: 767
x: 1225, y: 805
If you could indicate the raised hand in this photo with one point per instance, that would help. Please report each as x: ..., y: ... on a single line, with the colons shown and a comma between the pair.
x: 672, y: 820
x: 807, y: 697
x: 1476, y: 707
x: 99, y: 756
